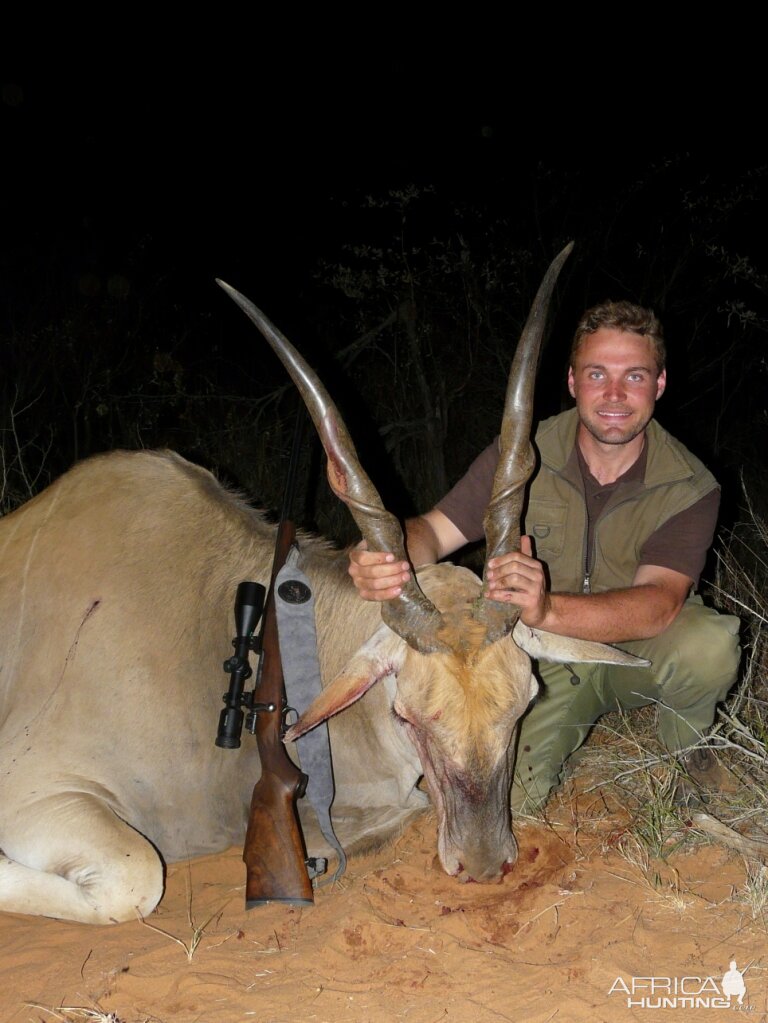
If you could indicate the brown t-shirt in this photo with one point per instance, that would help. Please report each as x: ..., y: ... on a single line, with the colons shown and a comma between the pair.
x: 681, y: 543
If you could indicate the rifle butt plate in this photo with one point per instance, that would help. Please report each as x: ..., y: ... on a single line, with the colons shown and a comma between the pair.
x: 253, y: 903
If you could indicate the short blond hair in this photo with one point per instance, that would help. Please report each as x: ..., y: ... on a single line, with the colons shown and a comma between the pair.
x: 627, y: 317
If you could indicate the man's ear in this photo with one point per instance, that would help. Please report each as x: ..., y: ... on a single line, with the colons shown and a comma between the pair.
x: 570, y: 382
x: 661, y: 383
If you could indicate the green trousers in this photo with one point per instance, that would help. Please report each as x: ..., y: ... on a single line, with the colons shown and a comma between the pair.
x: 693, y: 665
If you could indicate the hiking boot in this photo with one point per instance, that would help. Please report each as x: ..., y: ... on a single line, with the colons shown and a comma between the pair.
x: 703, y: 775
x: 688, y: 795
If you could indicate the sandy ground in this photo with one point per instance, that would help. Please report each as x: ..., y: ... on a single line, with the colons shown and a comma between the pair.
x: 399, y: 940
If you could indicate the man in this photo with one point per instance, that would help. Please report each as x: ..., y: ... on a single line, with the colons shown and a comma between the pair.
x: 621, y: 516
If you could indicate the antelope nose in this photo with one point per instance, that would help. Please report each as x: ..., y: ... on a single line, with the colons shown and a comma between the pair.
x: 470, y: 873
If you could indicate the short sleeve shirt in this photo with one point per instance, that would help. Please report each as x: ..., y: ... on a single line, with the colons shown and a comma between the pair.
x: 681, y: 543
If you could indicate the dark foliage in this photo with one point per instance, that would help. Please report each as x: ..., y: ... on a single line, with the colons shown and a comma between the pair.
x: 411, y: 311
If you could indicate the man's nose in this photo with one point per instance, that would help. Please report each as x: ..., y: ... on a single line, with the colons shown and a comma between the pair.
x: 615, y: 390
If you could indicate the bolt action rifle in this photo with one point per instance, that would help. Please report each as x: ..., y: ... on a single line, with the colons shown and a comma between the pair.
x: 274, y: 852
x: 275, y: 856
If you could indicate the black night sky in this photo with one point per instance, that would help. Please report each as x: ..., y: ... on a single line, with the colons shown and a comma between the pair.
x: 126, y: 195
x: 210, y: 180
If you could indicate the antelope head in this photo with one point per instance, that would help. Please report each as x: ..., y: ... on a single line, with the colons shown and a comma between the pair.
x: 461, y: 661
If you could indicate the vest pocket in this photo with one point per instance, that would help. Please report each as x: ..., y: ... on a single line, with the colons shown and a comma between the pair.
x: 545, y: 522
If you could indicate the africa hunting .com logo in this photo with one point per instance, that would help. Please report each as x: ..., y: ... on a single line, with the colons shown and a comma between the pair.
x: 685, y: 992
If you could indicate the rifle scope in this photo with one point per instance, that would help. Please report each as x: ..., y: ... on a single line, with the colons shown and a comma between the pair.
x: 249, y: 605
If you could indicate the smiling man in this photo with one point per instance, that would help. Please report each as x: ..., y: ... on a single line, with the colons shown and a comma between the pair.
x: 620, y: 517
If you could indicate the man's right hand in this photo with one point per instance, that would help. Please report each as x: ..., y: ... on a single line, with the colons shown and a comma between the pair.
x: 428, y: 538
x: 377, y: 576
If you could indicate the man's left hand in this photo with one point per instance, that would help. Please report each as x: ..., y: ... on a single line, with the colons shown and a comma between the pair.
x: 518, y: 578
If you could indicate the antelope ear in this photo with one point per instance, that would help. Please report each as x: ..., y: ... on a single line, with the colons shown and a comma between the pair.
x: 566, y: 650
x: 382, y: 655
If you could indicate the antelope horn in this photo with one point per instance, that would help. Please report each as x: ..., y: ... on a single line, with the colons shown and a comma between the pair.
x: 517, y: 460
x: 412, y: 615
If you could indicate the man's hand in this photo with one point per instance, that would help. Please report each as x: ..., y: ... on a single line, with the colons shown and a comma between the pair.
x: 428, y: 538
x: 518, y: 578
x: 377, y: 576
x: 639, y: 611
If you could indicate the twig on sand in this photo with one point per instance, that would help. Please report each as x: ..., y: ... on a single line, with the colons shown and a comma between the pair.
x: 722, y: 833
x: 554, y: 905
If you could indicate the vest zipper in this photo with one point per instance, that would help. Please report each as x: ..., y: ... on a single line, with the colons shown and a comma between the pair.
x: 587, y: 581
x: 586, y: 586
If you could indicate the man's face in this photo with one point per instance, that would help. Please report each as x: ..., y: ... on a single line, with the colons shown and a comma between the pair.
x: 615, y: 384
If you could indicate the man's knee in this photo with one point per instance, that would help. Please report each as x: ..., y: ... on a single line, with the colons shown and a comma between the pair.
x: 697, y: 665
x: 705, y: 645
x: 699, y: 645
x: 723, y: 650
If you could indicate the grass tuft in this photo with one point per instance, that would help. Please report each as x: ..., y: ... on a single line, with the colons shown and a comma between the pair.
x: 754, y: 891
x: 76, y: 1014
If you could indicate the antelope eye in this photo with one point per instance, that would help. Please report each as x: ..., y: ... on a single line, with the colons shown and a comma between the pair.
x: 400, y: 718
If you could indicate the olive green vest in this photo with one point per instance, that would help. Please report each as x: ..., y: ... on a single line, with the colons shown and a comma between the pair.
x: 556, y: 513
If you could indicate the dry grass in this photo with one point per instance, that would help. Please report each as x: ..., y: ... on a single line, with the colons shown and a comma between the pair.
x: 197, y: 930
x: 754, y: 891
x: 74, y: 1014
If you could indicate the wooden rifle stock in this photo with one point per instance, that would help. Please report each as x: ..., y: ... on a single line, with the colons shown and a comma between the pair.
x: 274, y: 852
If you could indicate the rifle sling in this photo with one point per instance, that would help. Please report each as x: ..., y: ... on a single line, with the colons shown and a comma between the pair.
x: 301, y: 671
